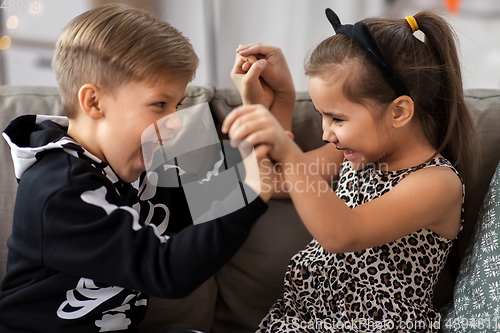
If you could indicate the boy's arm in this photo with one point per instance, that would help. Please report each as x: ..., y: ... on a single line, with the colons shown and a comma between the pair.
x: 88, y: 233
x: 164, y: 188
x: 199, y: 251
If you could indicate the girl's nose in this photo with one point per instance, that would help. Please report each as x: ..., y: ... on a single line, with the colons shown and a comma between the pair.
x: 329, y: 136
x: 328, y: 139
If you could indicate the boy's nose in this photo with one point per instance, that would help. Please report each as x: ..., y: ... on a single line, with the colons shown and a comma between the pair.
x: 169, y: 125
x: 174, y: 123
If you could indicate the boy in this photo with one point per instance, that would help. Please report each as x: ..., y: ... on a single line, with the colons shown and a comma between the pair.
x: 80, y: 258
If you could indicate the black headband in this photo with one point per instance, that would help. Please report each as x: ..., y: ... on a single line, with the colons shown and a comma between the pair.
x: 360, y: 34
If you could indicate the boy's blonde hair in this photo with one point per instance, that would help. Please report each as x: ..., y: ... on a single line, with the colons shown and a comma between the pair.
x: 114, y: 44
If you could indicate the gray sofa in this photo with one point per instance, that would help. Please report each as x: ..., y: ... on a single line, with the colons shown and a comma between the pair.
x: 238, y: 296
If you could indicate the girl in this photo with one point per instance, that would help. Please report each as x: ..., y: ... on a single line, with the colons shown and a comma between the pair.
x: 394, y: 109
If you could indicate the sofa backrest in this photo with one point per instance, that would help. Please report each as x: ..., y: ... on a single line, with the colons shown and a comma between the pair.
x: 485, y: 108
x: 484, y: 105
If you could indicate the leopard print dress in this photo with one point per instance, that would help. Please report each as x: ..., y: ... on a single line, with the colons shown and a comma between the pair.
x: 387, y: 288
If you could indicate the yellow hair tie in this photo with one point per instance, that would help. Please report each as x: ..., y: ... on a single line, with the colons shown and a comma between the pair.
x: 412, y: 22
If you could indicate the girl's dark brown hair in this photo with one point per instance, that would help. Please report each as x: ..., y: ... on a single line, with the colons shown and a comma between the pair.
x: 430, y: 70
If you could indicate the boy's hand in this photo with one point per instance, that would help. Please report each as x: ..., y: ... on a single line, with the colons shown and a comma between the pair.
x: 246, y: 75
x: 256, y: 125
x: 259, y: 177
x: 276, y: 73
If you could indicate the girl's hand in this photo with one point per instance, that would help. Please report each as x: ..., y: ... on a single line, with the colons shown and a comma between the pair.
x: 246, y: 76
x: 256, y: 125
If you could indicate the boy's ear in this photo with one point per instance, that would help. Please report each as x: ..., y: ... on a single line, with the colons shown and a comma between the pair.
x: 403, y: 110
x: 88, y: 98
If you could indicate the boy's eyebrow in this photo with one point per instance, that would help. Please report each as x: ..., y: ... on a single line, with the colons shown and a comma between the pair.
x: 163, y: 95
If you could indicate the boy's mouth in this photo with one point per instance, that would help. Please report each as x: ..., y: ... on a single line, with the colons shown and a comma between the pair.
x: 149, y: 148
x: 148, y: 151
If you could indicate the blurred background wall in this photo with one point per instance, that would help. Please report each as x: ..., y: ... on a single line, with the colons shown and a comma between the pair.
x: 29, y: 30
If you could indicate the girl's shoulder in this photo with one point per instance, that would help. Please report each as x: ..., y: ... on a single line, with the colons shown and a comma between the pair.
x: 435, y: 162
x: 371, y: 170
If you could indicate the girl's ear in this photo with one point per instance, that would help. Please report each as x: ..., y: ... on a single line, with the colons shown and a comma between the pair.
x: 402, y: 111
x: 88, y: 98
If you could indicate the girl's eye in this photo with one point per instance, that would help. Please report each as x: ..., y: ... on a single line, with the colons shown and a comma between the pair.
x: 333, y: 119
x: 178, y: 106
x: 160, y: 104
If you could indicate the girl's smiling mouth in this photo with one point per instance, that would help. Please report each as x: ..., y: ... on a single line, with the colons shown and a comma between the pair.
x: 349, y: 153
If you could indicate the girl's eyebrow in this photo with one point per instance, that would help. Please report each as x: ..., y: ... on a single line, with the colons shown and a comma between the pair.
x: 332, y: 114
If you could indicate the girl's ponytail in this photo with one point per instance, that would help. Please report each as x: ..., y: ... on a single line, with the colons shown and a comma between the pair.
x: 455, y: 129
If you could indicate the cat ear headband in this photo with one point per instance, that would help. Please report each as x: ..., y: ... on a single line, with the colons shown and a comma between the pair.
x: 361, y: 35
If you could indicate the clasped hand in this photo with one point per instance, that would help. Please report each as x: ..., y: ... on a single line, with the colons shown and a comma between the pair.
x: 264, y: 81
x: 262, y: 76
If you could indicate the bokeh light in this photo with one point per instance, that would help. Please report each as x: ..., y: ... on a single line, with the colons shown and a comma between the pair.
x: 12, y: 22
x: 5, y: 43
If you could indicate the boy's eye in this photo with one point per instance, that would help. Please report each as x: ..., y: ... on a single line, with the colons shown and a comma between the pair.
x: 337, y: 120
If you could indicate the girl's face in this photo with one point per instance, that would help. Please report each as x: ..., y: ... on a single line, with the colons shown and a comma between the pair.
x: 351, y: 126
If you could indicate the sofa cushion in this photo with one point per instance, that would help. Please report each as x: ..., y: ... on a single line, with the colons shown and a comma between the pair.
x: 476, y: 300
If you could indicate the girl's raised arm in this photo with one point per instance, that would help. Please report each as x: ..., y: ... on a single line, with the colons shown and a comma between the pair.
x: 429, y: 198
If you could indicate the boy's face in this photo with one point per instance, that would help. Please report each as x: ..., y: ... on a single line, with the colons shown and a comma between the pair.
x: 135, y: 107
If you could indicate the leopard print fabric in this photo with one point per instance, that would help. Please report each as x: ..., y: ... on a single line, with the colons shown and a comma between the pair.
x: 387, y: 288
